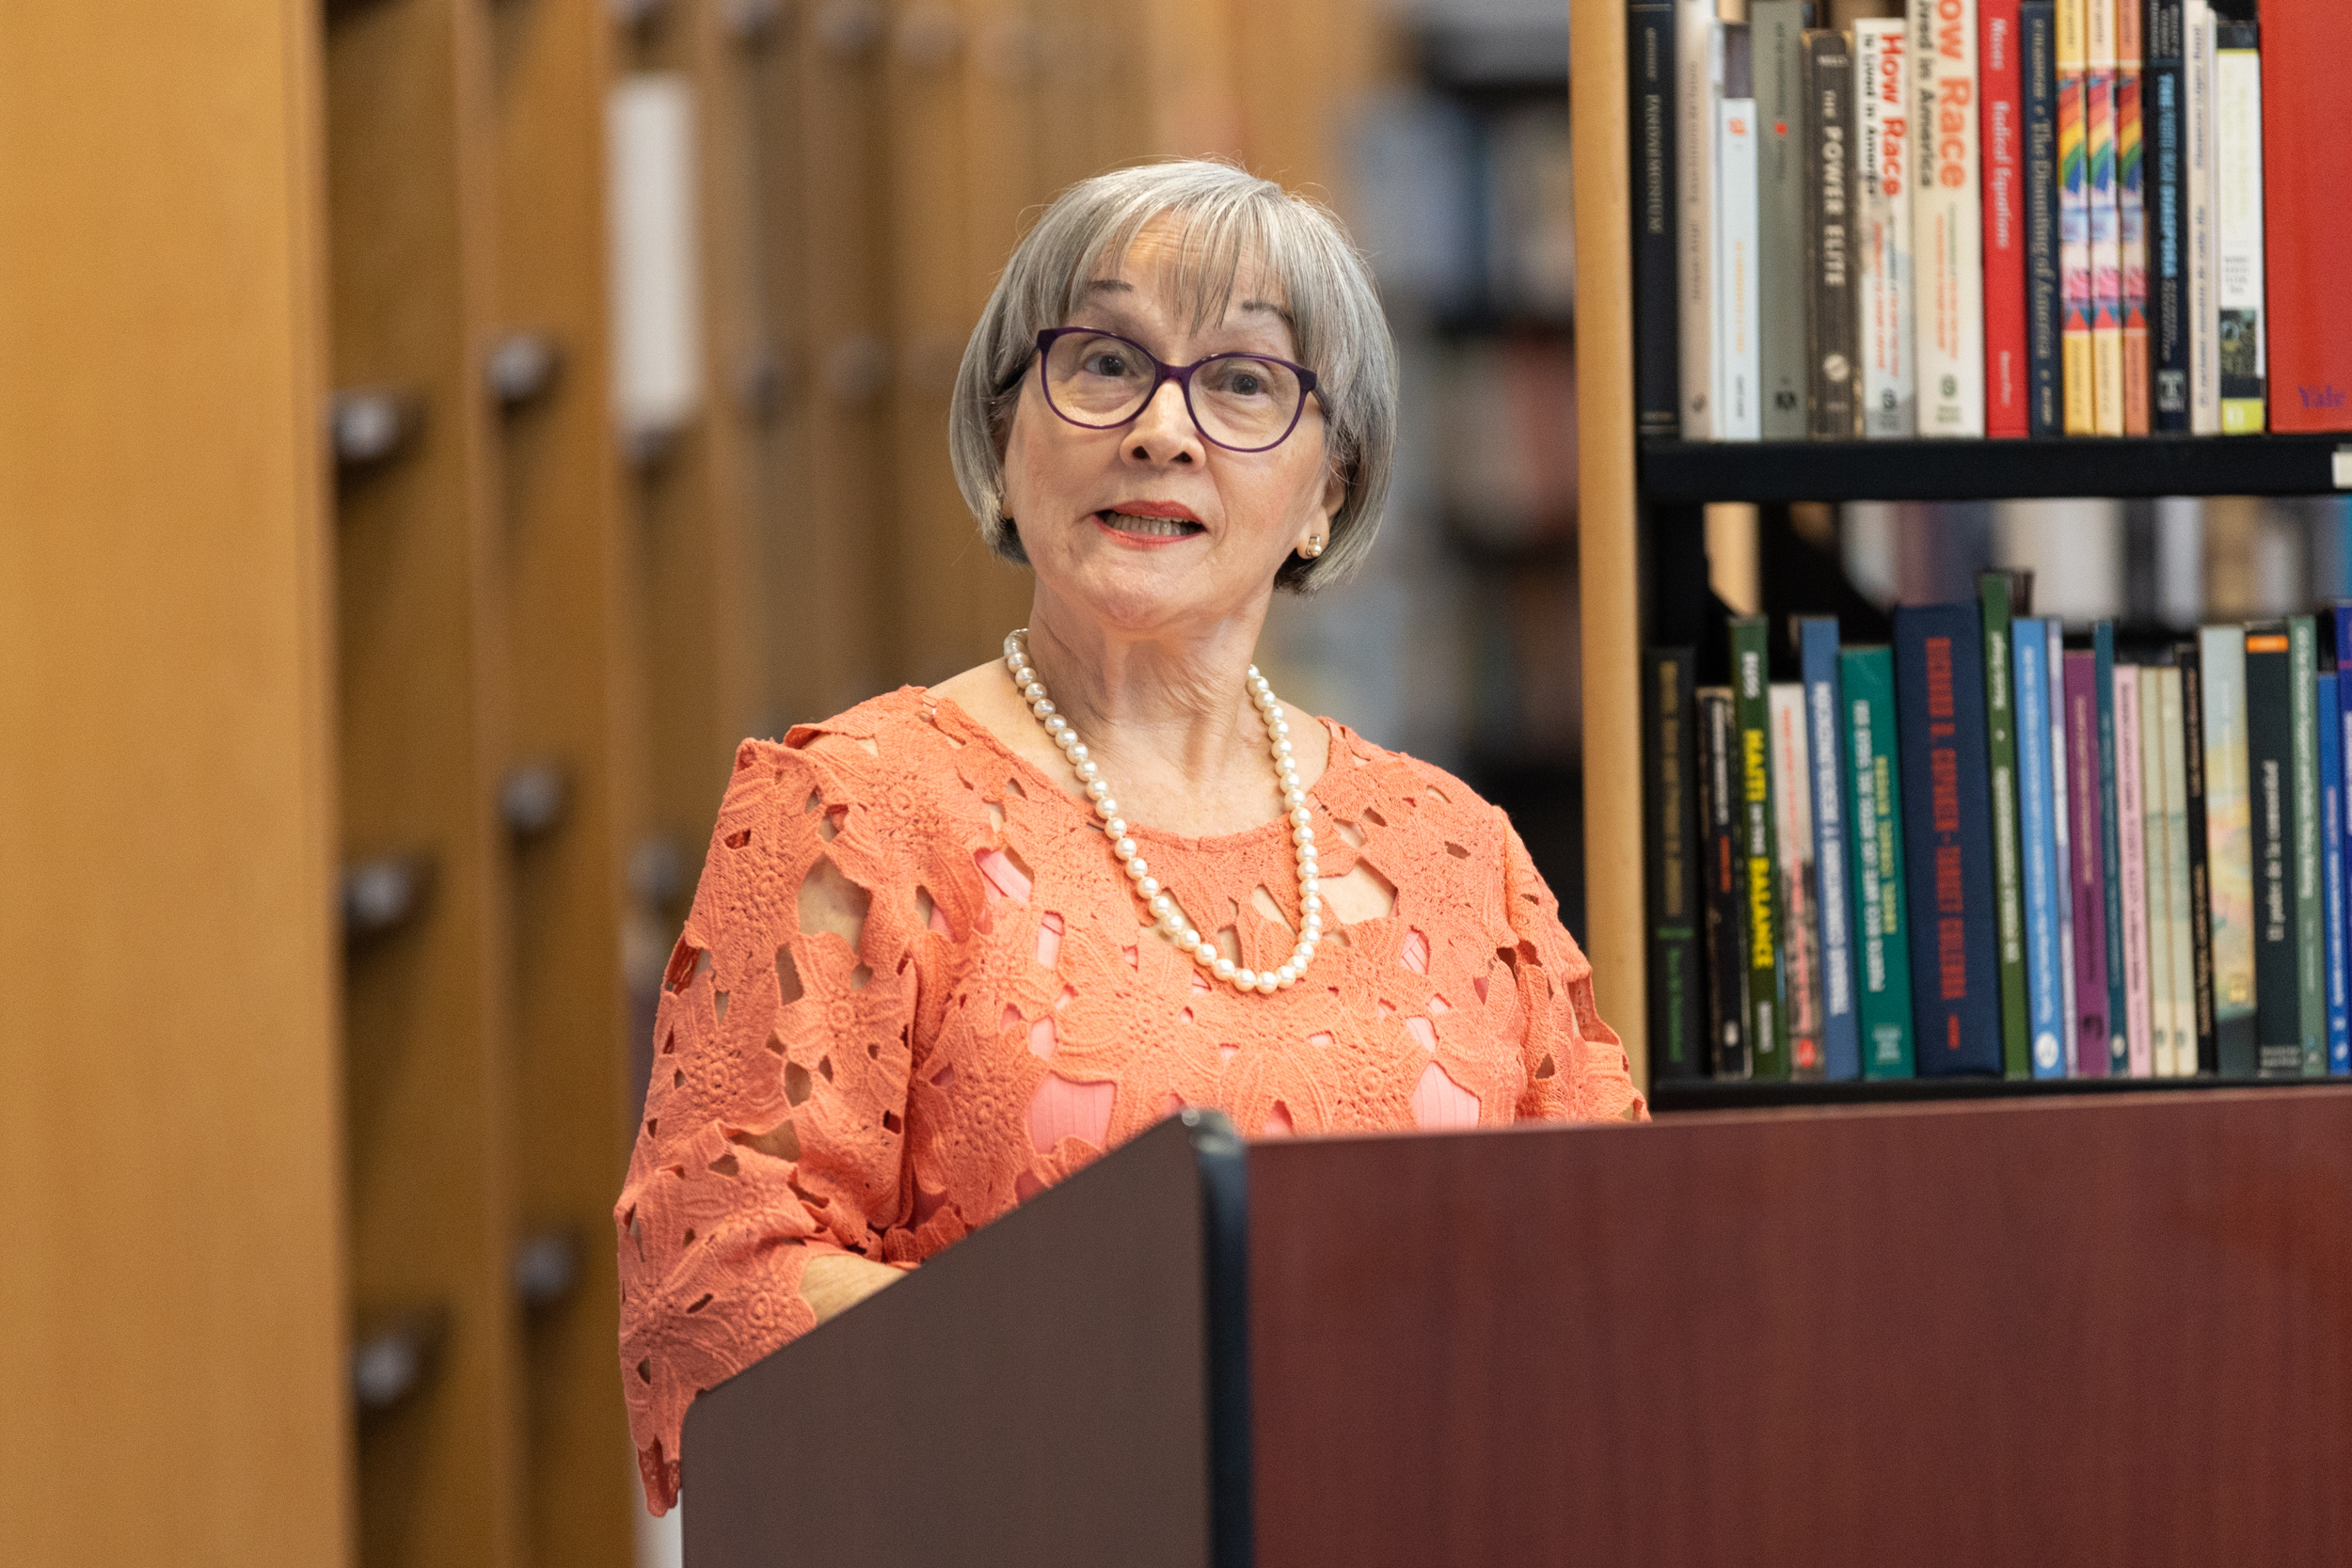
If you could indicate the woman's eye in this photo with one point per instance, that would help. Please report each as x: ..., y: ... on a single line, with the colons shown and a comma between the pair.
x: 1106, y: 362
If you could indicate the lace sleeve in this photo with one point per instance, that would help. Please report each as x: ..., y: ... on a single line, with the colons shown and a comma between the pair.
x: 773, y: 1124
x: 1577, y: 1070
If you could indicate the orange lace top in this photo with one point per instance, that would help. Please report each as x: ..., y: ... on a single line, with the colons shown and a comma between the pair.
x: 1007, y: 1012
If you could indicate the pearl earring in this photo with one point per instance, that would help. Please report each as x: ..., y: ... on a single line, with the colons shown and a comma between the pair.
x: 1313, y: 548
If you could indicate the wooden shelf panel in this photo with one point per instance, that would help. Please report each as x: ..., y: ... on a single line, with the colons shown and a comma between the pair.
x: 1699, y: 472
x: 1670, y: 1097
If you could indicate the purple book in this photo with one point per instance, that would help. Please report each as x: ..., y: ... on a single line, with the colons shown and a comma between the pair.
x: 2088, y: 852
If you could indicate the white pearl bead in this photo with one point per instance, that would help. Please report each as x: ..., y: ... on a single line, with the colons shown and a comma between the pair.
x: 1204, y: 953
x: 1149, y: 889
x: 1089, y: 770
x: 1245, y: 979
x: 1308, y: 852
x: 1281, y: 748
x: 1107, y: 808
x: 1079, y: 753
x: 1302, y: 836
x: 1301, y: 816
x: 1158, y: 903
x: 1137, y: 868
x: 1222, y: 968
x: 1058, y: 725
x: 1115, y: 829
x: 1033, y: 690
x: 1171, y: 923
x: 1187, y: 938
x: 1282, y: 729
x: 1310, y: 902
x: 1096, y: 789
x: 1287, y: 974
x: 1124, y: 849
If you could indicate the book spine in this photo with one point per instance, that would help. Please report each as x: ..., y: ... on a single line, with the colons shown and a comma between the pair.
x: 2111, y: 848
x: 2132, y: 861
x: 2343, y: 719
x: 1724, y: 883
x: 1947, y: 825
x: 2007, y: 350
x: 2179, y: 962
x: 2167, y: 260
x: 2331, y: 871
x: 1874, y: 785
x: 2076, y: 290
x: 2155, y: 826
x: 1830, y: 190
x: 1776, y: 30
x: 2131, y: 208
x: 2229, y: 848
x: 2061, y: 831
x: 2196, y: 838
x: 1698, y: 91
x: 2310, y: 961
x: 1947, y: 224
x: 2270, y: 756
x: 2000, y: 732
x: 2107, y: 250
x: 2238, y: 243
x: 1767, y: 1020
x: 2198, y: 40
x: 1651, y: 57
x: 1890, y: 394
x: 2089, y: 865
x: 2045, y: 995
x: 2305, y: 46
x: 1792, y: 843
x: 2045, y: 313
x: 1739, y: 277
x: 1842, y: 1038
x: 1671, y: 860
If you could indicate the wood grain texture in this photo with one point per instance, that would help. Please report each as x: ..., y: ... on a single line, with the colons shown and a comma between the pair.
x: 171, y: 1307
x: 2067, y: 1334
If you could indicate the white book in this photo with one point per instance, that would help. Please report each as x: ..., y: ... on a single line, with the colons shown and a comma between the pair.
x: 2237, y: 114
x: 2204, y: 310
x: 2182, y: 966
x: 1739, y: 277
x: 1698, y: 86
x: 1948, y: 219
x: 2062, y: 814
x: 2131, y: 820
x: 1890, y: 399
x: 2155, y: 824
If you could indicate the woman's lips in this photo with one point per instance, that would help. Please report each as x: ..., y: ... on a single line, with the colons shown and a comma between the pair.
x: 1148, y: 530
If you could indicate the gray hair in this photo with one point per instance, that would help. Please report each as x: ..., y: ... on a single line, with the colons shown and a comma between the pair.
x: 1228, y: 217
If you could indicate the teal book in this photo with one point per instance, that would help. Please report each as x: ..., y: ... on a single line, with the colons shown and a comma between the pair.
x: 1751, y: 705
x: 1874, y: 793
x: 2009, y: 887
x: 2311, y: 915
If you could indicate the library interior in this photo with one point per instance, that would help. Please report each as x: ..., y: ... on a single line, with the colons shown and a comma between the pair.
x: 516, y: 534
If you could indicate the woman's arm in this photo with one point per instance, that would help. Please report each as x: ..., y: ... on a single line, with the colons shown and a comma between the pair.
x: 834, y: 1283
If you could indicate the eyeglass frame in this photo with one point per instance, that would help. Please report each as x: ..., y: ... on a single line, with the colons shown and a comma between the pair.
x: 1164, y: 372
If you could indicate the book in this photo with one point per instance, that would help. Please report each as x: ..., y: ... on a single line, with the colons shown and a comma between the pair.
x: 2198, y: 40
x: 2110, y: 837
x: 2076, y: 290
x: 2131, y: 210
x: 1829, y: 187
x: 2229, y: 847
x: 2180, y: 957
x: 1698, y: 94
x: 1723, y: 893
x: 2107, y: 246
x: 1671, y: 863
x: 2000, y: 730
x: 1833, y: 897
x: 2306, y: 44
x: 2132, y: 874
x: 2342, y: 720
x: 1886, y: 284
x: 2090, y: 877
x: 2167, y: 85
x: 2007, y: 378
x: 2046, y: 311
x: 2311, y: 961
x: 1947, y: 219
x: 1874, y: 786
x: 2331, y: 871
x: 1767, y: 1021
x: 2038, y: 842
x: 1776, y: 33
x: 1948, y: 824
x: 1652, y: 57
x: 2238, y: 243
x: 2270, y: 772
x: 1739, y: 277
x: 2156, y: 824
x: 1792, y: 845
x: 2189, y: 658
x: 2061, y: 829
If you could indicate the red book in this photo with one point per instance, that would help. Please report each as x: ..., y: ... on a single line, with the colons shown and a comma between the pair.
x: 2001, y: 95
x: 2306, y: 190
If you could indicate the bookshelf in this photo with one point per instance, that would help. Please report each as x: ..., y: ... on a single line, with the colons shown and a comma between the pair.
x: 1698, y: 472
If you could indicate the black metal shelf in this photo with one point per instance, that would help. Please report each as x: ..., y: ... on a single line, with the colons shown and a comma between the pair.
x: 1688, y: 472
x: 1676, y: 1095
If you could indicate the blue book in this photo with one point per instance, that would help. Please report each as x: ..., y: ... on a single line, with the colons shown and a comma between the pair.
x: 1824, y: 701
x: 2110, y: 818
x: 2331, y: 871
x: 2341, y: 717
x: 2037, y: 843
x: 1947, y: 831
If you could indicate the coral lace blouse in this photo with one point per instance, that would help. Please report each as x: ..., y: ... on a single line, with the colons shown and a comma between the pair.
x: 1009, y: 1012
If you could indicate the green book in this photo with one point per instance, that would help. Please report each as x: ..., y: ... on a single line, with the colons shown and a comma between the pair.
x: 1751, y: 706
x: 2009, y: 897
x: 1874, y: 824
x: 2311, y: 964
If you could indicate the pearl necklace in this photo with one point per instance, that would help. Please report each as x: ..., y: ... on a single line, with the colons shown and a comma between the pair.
x: 1173, y: 924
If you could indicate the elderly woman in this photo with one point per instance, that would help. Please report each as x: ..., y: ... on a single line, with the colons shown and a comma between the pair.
x: 956, y: 943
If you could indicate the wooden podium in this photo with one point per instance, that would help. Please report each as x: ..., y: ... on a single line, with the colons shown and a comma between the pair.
x: 2062, y: 1332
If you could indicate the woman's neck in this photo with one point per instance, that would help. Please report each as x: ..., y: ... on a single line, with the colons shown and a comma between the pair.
x: 1172, y: 705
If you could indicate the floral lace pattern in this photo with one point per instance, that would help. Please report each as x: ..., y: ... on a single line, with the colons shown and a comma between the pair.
x: 1003, y: 1011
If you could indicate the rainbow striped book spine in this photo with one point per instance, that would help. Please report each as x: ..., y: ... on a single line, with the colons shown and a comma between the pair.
x: 2131, y: 204
x: 2074, y: 288
x: 2107, y: 247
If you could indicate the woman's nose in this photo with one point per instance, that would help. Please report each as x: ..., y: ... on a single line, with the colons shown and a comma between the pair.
x: 1164, y: 431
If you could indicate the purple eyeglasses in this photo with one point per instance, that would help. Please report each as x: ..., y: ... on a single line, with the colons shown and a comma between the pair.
x: 1099, y: 380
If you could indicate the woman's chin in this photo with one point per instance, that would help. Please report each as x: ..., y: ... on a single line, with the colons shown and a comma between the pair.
x: 1135, y: 592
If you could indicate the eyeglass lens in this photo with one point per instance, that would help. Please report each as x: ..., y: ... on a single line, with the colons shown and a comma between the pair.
x: 1237, y: 399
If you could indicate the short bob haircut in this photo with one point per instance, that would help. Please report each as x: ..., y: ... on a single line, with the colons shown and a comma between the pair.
x: 1228, y: 217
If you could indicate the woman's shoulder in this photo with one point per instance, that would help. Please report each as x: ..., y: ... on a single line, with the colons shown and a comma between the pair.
x: 1398, y: 787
